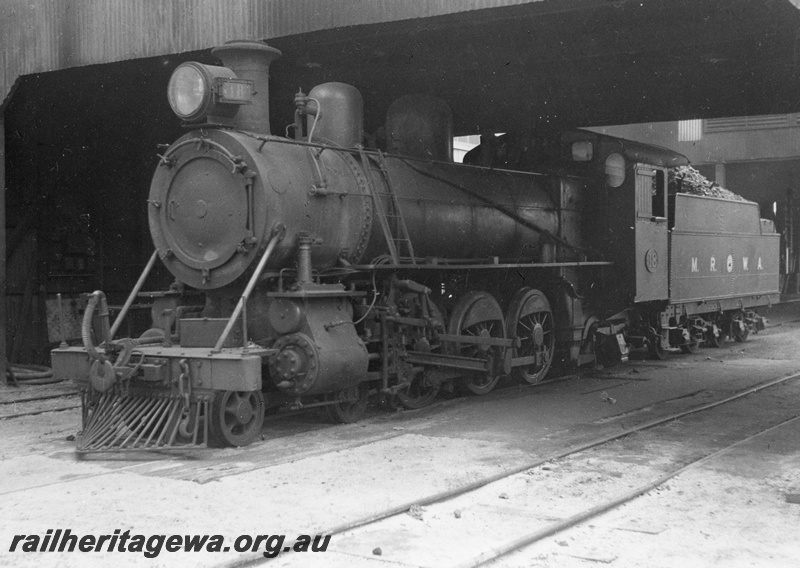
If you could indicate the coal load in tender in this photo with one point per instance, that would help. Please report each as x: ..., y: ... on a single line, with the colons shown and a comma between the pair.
x: 686, y: 179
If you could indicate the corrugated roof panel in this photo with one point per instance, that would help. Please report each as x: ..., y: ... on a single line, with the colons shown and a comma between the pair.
x: 742, y: 123
x: 46, y: 35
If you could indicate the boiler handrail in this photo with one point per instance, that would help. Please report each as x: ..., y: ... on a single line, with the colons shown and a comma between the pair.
x: 124, y: 311
x: 248, y: 290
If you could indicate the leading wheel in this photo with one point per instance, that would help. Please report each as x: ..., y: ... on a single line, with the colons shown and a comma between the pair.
x: 235, y: 418
x: 479, y: 315
x: 531, y: 320
x: 351, y: 404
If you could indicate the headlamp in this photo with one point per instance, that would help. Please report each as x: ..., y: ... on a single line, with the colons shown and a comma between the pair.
x: 202, y: 93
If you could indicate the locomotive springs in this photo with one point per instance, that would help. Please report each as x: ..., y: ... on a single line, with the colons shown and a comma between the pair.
x: 317, y: 269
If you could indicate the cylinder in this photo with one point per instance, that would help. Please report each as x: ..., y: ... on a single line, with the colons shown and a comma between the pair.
x: 420, y: 126
x: 340, y: 115
x: 250, y: 61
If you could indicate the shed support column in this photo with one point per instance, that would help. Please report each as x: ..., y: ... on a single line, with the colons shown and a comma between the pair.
x: 3, y: 360
x: 719, y: 174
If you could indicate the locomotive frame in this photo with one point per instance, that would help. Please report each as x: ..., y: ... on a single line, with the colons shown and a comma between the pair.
x: 311, y: 271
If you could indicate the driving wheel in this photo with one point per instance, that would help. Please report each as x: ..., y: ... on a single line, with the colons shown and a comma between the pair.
x: 479, y: 315
x: 530, y: 320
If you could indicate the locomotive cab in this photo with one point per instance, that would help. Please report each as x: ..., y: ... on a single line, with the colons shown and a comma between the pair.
x: 629, y: 220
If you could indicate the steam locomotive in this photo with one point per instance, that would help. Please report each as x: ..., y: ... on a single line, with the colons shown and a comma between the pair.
x: 314, y: 269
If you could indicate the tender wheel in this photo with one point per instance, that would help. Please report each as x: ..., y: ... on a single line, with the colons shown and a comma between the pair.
x: 477, y: 314
x: 349, y: 411
x: 739, y: 329
x: 236, y: 418
x: 717, y: 333
x: 693, y: 332
x: 531, y: 320
x: 420, y: 393
x: 656, y: 347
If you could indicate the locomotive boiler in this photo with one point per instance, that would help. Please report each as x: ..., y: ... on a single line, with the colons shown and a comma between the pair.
x: 314, y: 270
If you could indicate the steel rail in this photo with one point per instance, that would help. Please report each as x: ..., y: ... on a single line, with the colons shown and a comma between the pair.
x: 258, y: 558
x: 35, y: 412
x: 136, y: 465
x: 37, y: 398
x: 541, y: 534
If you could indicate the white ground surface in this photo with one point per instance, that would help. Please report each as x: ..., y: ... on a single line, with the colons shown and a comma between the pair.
x: 308, y: 477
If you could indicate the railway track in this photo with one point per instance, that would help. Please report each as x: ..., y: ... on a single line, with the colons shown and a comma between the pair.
x: 182, y: 464
x: 31, y: 406
x: 492, y: 509
x: 428, y: 507
x: 540, y: 534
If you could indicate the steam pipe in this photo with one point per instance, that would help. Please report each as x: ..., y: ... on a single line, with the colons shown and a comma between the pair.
x: 304, y: 260
x: 97, y: 298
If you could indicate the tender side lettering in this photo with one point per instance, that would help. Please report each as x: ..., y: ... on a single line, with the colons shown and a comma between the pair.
x: 729, y: 264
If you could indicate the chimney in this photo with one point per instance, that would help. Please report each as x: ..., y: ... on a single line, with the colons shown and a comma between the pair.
x: 250, y: 61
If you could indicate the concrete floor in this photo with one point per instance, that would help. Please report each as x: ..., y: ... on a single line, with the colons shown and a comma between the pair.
x: 309, y: 477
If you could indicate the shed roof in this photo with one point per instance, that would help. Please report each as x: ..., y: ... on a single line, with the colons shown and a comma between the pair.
x: 47, y: 35
x: 500, y: 64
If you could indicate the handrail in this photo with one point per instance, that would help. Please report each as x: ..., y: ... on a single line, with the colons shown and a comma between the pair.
x: 276, y: 237
x: 124, y: 311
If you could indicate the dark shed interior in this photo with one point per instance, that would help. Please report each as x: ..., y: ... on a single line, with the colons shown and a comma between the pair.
x: 81, y: 145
